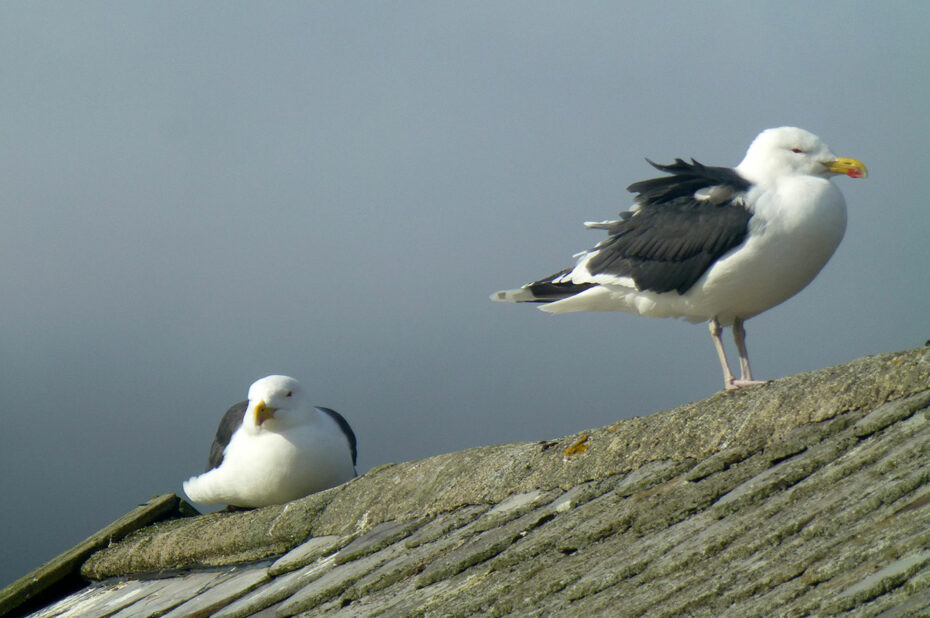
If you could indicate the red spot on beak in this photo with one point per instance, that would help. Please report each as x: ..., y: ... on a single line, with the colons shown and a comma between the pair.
x: 854, y: 173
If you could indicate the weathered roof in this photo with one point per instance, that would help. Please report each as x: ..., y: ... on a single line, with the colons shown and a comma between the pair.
x: 61, y: 575
x: 809, y: 495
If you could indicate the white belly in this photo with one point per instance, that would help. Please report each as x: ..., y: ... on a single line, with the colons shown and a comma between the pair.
x: 793, y: 234
x: 273, y: 468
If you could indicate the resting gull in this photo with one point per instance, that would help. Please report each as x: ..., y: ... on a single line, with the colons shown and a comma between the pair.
x: 273, y: 448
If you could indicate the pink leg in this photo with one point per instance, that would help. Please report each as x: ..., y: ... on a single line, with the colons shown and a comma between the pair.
x: 715, y: 330
x: 745, y: 373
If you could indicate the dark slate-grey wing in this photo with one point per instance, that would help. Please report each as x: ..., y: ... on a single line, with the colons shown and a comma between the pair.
x: 344, y: 426
x: 685, y: 221
x: 232, y: 420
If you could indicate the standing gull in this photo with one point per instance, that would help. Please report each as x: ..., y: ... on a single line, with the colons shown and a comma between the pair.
x: 275, y: 448
x: 713, y: 243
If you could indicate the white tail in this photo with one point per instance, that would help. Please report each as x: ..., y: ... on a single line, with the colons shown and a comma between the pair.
x: 516, y: 295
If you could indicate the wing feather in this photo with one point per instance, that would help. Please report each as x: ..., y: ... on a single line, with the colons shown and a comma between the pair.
x: 232, y: 421
x: 683, y: 223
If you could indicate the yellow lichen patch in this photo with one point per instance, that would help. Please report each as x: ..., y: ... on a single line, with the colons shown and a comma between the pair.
x: 577, y: 448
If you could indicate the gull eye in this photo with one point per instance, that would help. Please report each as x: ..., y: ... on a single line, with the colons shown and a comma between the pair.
x: 796, y: 150
x: 289, y: 393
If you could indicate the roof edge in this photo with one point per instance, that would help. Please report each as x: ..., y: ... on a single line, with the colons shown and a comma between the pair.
x: 747, y: 420
x: 60, y: 573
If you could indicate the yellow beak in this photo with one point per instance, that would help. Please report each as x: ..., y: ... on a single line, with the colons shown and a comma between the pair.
x: 263, y: 413
x: 850, y: 167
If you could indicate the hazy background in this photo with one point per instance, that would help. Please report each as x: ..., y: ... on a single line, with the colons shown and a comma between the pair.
x: 198, y: 195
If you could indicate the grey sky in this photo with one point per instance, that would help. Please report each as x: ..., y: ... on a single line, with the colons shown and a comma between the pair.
x: 198, y: 195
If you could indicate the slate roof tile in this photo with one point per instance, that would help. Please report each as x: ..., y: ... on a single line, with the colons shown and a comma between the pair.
x: 807, y: 496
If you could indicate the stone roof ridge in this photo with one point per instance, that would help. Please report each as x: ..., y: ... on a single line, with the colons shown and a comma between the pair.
x: 809, y: 494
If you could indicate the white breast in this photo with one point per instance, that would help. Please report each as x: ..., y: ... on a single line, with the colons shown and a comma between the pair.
x: 796, y: 227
